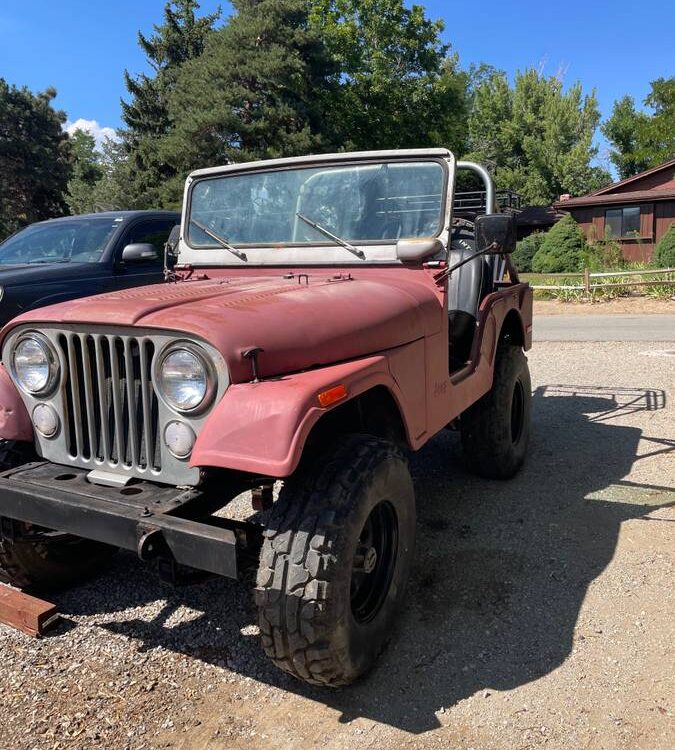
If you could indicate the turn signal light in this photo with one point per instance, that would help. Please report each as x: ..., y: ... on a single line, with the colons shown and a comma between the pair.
x: 336, y: 393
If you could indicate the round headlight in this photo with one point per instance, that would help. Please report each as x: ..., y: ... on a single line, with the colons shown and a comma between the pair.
x: 184, y: 379
x: 34, y: 365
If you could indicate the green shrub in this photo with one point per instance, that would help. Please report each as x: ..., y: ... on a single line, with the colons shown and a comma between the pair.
x: 604, y: 255
x: 563, y: 248
x: 664, y: 253
x: 526, y: 249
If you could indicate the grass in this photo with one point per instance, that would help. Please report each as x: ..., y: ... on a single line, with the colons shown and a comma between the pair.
x: 570, y: 294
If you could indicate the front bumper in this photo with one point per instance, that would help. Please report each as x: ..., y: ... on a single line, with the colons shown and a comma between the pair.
x: 144, y: 517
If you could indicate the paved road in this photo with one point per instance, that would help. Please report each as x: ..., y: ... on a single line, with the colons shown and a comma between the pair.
x: 604, y: 328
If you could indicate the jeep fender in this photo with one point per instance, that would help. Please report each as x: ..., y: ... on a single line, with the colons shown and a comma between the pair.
x: 261, y: 427
x: 15, y: 422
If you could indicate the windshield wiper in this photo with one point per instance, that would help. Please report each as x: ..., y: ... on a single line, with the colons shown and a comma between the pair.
x: 331, y: 236
x: 220, y: 240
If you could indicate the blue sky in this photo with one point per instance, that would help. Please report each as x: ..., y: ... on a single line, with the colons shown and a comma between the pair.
x: 81, y: 47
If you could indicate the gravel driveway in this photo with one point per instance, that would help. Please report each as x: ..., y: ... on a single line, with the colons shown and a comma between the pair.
x: 540, y: 612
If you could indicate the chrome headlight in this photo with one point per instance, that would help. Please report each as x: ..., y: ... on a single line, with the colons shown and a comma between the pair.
x: 185, y: 378
x: 35, y: 365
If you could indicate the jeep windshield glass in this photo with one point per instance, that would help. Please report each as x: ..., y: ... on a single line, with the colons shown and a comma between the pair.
x: 367, y: 203
x: 75, y: 240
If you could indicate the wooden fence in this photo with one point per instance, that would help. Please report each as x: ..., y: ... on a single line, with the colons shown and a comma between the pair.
x: 587, y: 286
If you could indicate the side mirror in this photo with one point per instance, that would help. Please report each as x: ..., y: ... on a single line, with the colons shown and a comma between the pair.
x: 139, y: 252
x: 171, y: 246
x: 417, y: 249
x: 496, y: 233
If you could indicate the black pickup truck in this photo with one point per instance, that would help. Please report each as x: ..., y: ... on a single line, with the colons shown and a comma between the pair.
x: 77, y: 256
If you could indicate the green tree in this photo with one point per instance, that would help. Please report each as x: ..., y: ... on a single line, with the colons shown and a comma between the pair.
x: 34, y: 157
x: 563, y: 249
x: 87, y: 171
x: 536, y: 137
x: 526, y: 249
x: 396, y: 83
x: 641, y: 140
x: 623, y: 130
x: 255, y: 92
x: 180, y: 38
x: 111, y: 192
x: 664, y: 253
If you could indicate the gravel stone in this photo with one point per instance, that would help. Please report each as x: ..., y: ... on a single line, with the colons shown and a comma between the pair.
x: 539, y: 614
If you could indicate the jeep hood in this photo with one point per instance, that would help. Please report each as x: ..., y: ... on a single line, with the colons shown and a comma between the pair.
x: 299, y: 322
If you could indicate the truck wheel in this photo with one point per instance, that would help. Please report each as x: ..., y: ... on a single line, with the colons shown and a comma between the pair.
x: 47, y: 560
x: 496, y: 429
x: 335, y: 562
x: 37, y: 557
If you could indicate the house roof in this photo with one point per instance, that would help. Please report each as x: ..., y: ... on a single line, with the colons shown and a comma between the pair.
x: 538, y: 216
x: 670, y: 164
x: 637, y: 196
x: 616, y: 193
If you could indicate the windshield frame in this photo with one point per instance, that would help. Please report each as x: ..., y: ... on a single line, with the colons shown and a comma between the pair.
x: 200, y: 254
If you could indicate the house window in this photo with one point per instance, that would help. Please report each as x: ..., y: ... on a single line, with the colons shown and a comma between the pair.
x: 623, y: 222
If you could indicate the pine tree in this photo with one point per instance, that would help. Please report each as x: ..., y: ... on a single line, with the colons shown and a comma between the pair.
x: 87, y: 171
x: 34, y: 158
x: 179, y: 39
x: 253, y: 94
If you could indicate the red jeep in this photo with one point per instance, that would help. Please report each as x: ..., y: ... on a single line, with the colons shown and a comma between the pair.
x: 325, y: 315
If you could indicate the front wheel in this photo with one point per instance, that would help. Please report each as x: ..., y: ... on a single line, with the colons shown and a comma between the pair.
x: 496, y: 429
x: 335, y: 562
x: 39, y: 558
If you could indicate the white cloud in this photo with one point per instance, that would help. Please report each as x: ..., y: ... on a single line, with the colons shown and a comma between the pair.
x: 92, y: 127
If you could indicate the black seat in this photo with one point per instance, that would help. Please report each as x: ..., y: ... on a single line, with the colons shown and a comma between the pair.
x: 466, y: 288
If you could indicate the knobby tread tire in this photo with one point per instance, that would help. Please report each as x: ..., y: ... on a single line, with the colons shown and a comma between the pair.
x: 300, y: 592
x: 489, y: 450
x: 49, y: 564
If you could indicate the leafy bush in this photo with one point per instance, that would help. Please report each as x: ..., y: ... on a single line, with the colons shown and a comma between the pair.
x: 604, y: 255
x: 664, y: 253
x: 563, y: 248
x: 526, y: 249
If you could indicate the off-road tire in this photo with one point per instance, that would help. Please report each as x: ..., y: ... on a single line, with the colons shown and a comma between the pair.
x: 496, y: 429
x: 304, y: 585
x: 13, y: 453
x: 40, y: 559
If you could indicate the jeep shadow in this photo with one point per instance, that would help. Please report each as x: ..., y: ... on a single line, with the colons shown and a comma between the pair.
x: 501, y: 570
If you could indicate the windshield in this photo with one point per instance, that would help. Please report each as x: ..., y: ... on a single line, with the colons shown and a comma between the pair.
x: 380, y: 202
x: 76, y: 240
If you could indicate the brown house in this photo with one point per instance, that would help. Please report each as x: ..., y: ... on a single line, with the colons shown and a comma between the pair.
x: 637, y: 211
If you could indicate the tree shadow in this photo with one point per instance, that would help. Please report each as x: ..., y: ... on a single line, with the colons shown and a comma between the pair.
x: 501, y: 570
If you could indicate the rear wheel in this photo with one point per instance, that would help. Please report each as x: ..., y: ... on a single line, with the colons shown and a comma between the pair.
x: 35, y: 557
x: 335, y: 562
x: 496, y: 429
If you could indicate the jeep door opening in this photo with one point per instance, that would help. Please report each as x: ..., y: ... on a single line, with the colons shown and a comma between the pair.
x: 325, y: 315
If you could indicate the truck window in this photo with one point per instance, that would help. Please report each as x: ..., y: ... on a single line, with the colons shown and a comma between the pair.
x: 153, y: 231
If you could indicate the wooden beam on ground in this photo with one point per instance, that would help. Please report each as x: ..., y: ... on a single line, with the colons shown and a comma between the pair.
x: 26, y: 613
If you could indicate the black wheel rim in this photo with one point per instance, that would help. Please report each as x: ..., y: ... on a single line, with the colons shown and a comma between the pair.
x: 374, y: 562
x: 517, y: 412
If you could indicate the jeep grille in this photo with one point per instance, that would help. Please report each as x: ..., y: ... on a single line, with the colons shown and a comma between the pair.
x: 111, y: 408
x: 111, y: 417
